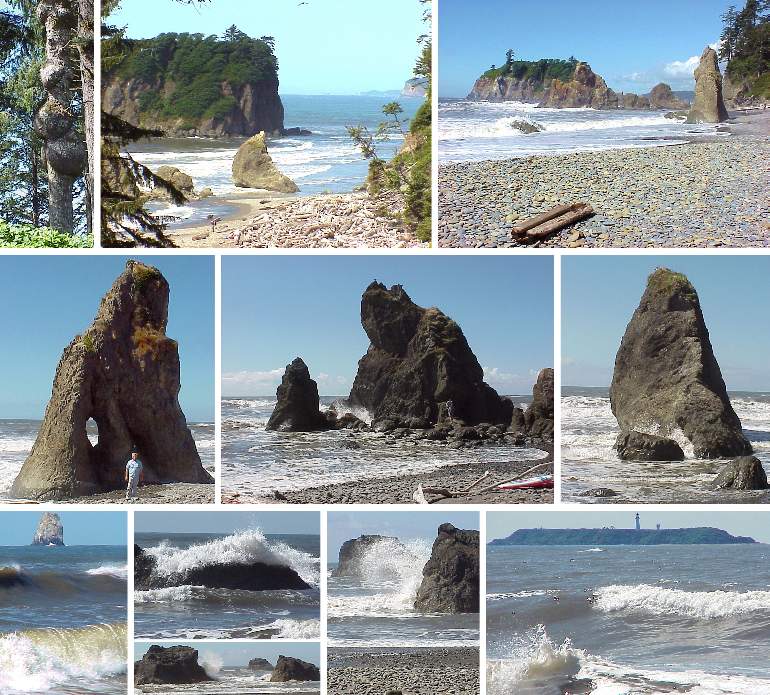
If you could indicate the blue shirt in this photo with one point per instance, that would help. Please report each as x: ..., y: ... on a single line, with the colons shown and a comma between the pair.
x: 134, y: 467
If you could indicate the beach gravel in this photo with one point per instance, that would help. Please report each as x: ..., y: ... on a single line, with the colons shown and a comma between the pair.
x: 700, y: 194
x: 412, y: 671
x: 168, y: 493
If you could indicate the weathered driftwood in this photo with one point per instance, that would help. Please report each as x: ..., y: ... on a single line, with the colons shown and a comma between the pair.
x: 553, y: 220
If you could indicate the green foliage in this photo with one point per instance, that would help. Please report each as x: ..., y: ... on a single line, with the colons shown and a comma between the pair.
x: 30, y: 237
x: 88, y: 343
x: 746, y: 45
x: 667, y: 282
x: 761, y: 87
x: 533, y: 70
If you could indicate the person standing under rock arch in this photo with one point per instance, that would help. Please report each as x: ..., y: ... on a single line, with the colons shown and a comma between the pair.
x: 134, y: 475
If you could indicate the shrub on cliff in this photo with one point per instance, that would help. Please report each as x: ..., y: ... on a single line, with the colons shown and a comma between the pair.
x: 542, y: 70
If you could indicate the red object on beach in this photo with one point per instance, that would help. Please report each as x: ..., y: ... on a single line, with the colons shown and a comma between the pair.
x: 540, y: 481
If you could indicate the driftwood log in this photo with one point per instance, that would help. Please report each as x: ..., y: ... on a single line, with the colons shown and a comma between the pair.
x: 552, y: 221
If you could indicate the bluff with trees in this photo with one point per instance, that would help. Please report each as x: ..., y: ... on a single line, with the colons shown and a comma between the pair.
x: 46, y: 122
x: 191, y: 84
x: 521, y: 80
x: 745, y: 46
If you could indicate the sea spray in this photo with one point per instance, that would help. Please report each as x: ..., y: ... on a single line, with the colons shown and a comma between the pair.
x: 211, y: 662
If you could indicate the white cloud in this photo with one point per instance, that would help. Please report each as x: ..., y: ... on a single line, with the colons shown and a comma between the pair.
x: 505, y: 382
x: 683, y: 69
x: 266, y: 382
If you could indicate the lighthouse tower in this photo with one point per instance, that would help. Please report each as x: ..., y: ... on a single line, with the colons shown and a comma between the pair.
x: 638, y: 525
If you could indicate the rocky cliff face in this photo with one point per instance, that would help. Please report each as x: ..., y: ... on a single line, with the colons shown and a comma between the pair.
x: 253, y: 167
x: 538, y: 418
x: 49, y: 531
x: 169, y: 665
x: 418, y: 360
x: 708, y: 105
x: 507, y: 89
x: 290, y: 669
x: 450, y: 582
x: 416, y: 87
x: 585, y: 89
x: 666, y: 376
x: 123, y: 372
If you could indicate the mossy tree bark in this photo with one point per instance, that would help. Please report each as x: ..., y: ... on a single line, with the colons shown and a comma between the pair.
x: 85, y: 30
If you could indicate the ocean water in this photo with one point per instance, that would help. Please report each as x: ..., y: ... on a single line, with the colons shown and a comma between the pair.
x: 589, y: 430
x: 63, y: 619
x: 18, y: 436
x: 377, y: 607
x: 256, y: 461
x: 200, y: 612
x: 233, y: 681
x: 325, y: 162
x: 663, y: 619
x: 480, y: 130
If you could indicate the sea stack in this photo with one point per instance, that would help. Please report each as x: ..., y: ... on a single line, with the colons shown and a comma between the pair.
x: 538, y: 418
x: 123, y: 372
x: 662, y: 97
x: 417, y: 361
x: 450, y: 581
x: 50, y: 530
x: 287, y: 668
x: 169, y: 665
x: 708, y: 105
x: 586, y: 88
x: 253, y: 167
x: 666, y: 377
x: 352, y: 552
x: 259, y: 664
x: 298, y: 406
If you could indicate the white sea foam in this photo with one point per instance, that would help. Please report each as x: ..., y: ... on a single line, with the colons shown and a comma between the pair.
x: 118, y: 571
x: 701, y: 605
x: 592, y: 550
x: 244, y: 547
x: 517, y: 594
x: 295, y: 629
x: 211, y: 662
x: 19, y: 445
x: 251, y: 403
x: 171, y: 594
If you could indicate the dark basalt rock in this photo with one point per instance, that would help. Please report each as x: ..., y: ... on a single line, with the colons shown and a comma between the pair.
x: 666, y: 376
x: 290, y: 669
x: 353, y: 550
x: 418, y: 360
x: 256, y: 576
x: 538, y: 418
x: 258, y: 664
x: 124, y: 373
x: 450, y: 582
x: 297, y: 409
x: 745, y: 473
x: 174, y: 665
x: 637, y: 446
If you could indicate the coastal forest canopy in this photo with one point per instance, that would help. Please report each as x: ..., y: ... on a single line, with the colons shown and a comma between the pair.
x: 533, y: 70
x: 745, y: 45
x: 46, y: 122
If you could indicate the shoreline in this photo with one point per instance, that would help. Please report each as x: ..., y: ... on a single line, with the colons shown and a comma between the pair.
x: 408, y: 670
x: 399, y: 489
x: 334, y: 220
x: 709, y: 191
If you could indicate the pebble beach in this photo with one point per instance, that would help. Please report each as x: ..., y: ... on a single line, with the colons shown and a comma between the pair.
x: 411, y: 671
x: 711, y: 192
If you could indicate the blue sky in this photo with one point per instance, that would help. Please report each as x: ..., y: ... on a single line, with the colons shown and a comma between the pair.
x: 80, y: 528
x: 342, y: 526
x: 227, y: 522
x: 633, y: 45
x: 276, y: 308
x: 323, y: 46
x: 240, y: 653
x: 51, y: 299
x: 600, y: 294
x: 502, y: 524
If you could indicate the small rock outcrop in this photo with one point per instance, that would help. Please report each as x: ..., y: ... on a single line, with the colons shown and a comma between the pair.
x: 637, y: 446
x: 662, y: 97
x: 253, y: 576
x: 666, y: 376
x: 352, y: 551
x: 169, y: 665
x: 50, y: 530
x: 123, y: 372
x: 450, y: 581
x: 538, y: 418
x: 417, y: 361
x: 745, y: 473
x: 259, y: 664
x: 708, y: 105
x: 297, y: 409
x: 586, y: 88
x: 287, y: 668
x: 253, y: 167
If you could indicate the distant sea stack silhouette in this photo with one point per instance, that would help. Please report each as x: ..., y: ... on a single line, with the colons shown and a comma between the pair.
x: 50, y: 530
x: 419, y: 359
x: 123, y: 372
x: 298, y: 405
x: 666, y: 376
x: 708, y: 106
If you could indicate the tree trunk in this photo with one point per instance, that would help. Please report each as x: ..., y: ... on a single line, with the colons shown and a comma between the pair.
x: 65, y: 152
x: 86, y: 51
x: 35, y: 183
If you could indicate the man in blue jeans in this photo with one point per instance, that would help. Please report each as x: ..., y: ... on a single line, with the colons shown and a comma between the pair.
x: 134, y: 475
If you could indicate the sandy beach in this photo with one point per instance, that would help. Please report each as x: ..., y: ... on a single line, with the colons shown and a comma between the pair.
x: 344, y: 220
x: 410, y: 671
x: 399, y: 490
x: 710, y: 192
